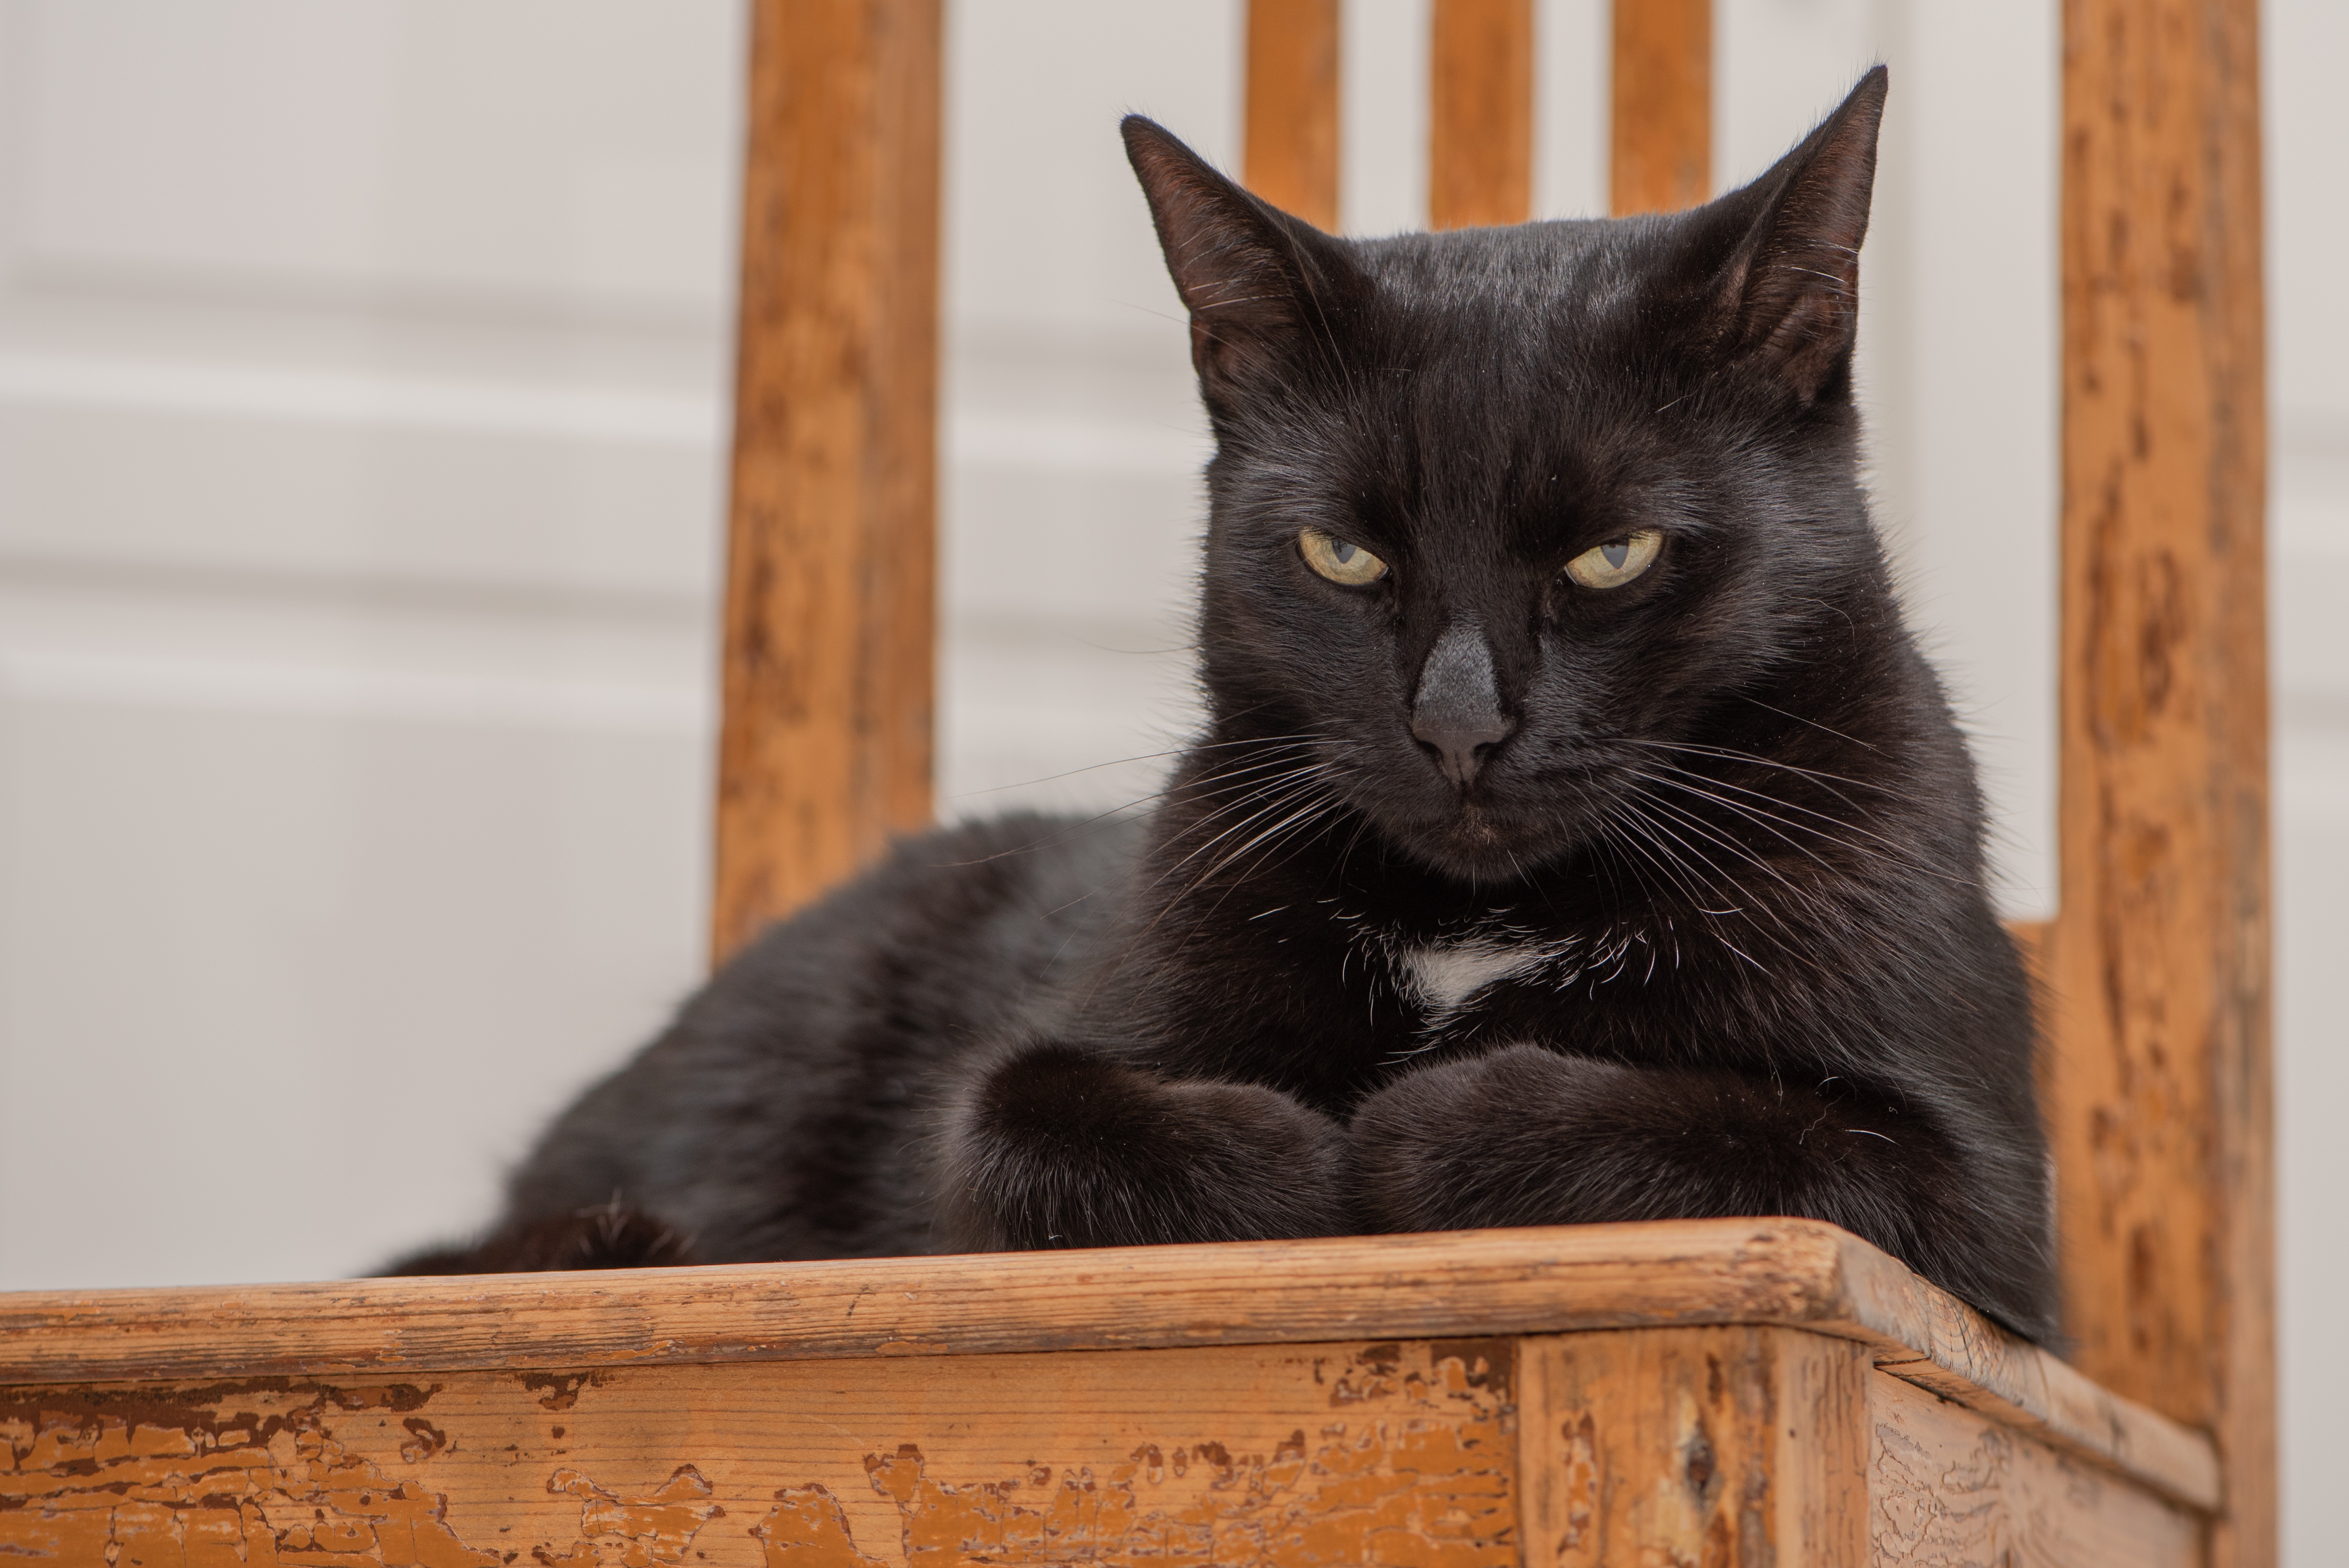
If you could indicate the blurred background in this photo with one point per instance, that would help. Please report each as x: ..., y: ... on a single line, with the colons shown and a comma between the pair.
x: 362, y: 380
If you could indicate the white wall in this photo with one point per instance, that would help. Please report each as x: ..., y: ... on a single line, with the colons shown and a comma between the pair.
x: 2306, y: 46
x: 359, y: 478
x: 362, y: 377
x: 1073, y: 441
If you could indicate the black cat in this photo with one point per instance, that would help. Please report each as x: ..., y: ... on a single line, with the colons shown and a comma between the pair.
x: 1576, y: 835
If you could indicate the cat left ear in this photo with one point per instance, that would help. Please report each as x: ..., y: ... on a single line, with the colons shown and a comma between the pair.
x: 1793, y: 289
x: 1255, y: 279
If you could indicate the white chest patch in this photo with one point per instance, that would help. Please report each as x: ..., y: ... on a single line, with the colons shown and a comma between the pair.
x: 1445, y: 977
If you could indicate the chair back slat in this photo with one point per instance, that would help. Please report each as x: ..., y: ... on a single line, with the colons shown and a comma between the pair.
x: 1291, y: 158
x: 1479, y: 113
x: 831, y: 604
x: 1660, y: 152
x: 2158, y: 1095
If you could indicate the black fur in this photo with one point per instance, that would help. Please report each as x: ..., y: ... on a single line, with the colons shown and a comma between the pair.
x: 611, y: 1237
x: 1486, y: 897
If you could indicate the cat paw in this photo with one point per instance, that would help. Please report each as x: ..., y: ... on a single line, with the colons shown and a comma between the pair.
x: 605, y: 1237
x: 1058, y: 1147
x: 1489, y: 1140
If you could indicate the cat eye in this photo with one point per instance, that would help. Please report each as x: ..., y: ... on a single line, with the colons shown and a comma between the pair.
x: 1339, y: 559
x: 1617, y: 562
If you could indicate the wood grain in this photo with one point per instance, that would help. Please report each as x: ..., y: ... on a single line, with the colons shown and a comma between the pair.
x: 1689, y: 1273
x: 1660, y: 155
x: 1947, y: 1486
x: 1292, y: 107
x: 830, y: 591
x: 1384, y: 1453
x: 1694, y: 1445
x: 1480, y: 166
x: 2159, y: 1090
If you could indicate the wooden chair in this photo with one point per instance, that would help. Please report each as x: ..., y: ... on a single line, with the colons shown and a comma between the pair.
x: 1719, y: 1391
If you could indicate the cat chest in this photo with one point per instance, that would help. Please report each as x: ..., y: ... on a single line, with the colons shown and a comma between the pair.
x: 1505, y: 972
x: 1443, y: 978
x: 1514, y: 978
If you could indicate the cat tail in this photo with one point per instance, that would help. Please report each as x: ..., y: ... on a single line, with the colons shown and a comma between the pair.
x: 605, y: 1237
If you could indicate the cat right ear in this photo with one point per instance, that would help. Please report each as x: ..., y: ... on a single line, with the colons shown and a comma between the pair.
x: 1256, y: 280
x: 1789, y: 299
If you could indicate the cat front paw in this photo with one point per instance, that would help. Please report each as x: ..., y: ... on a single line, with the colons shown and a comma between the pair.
x: 607, y: 1236
x: 1495, y: 1140
x: 1057, y: 1145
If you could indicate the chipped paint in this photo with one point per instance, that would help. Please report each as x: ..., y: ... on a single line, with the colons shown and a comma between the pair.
x: 1382, y: 1454
x: 1418, y: 1471
x: 808, y: 1528
x: 650, y: 1531
x: 1578, y: 1481
x: 562, y: 1389
x: 135, y: 1481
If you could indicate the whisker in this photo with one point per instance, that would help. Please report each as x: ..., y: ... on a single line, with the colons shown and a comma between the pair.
x: 1286, y: 802
x: 1287, y: 790
x: 1310, y: 808
x: 1686, y: 851
x: 1798, y: 719
x: 1899, y: 849
x: 1207, y: 783
x: 1761, y: 819
x: 1294, y: 826
x: 1653, y: 852
x: 1183, y: 750
x: 1899, y: 853
x: 1732, y: 754
x: 1697, y: 824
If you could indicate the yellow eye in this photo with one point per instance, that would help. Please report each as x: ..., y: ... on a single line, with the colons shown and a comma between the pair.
x: 1617, y: 562
x: 1338, y: 560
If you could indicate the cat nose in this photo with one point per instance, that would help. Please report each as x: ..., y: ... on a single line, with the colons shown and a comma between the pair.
x: 1458, y: 708
x: 1463, y: 742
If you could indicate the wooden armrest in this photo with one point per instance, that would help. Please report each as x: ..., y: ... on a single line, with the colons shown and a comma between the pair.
x: 1784, y: 1273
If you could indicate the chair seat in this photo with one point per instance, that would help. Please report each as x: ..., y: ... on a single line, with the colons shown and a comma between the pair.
x: 1484, y: 1396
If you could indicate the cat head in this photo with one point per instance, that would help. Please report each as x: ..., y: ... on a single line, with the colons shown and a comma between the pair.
x: 1494, y: 513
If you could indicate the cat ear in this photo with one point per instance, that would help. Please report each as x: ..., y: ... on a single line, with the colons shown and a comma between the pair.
x: 1255, y: 279
x: 1792, y: 292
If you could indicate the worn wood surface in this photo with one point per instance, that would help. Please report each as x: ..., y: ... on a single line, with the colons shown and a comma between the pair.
x: 1386, y: 1453
x: 1790, y: 1273
x: 829, y: 595
x: 1479, y: 113
x: 1949, y: 1486
x: 1727, y: 1445
x: 1292, y: 107
x: 1661, y: 152
x: 2158, y: 1078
